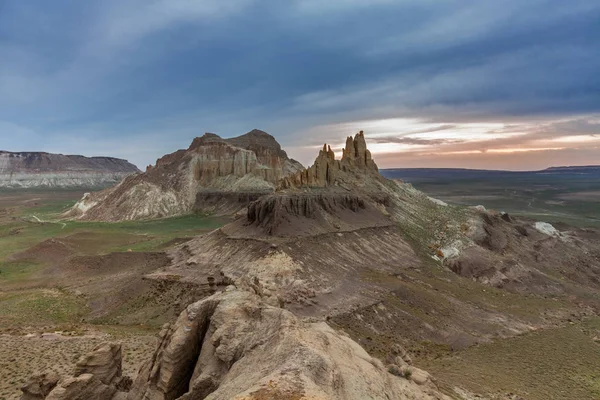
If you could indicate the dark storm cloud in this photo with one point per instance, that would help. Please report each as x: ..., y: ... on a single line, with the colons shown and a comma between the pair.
x: 571, y: 127
x: 129, y: 71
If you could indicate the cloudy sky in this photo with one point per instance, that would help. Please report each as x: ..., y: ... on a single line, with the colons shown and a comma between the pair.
x: 507, y: 84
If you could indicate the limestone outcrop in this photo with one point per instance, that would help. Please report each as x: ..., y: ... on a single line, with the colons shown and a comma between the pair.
x: 83, y: 387
x: 38, y: 169
x: 327, y: 171
x: 233, y: 345
x: 329, y: 196
x: 180, y: 182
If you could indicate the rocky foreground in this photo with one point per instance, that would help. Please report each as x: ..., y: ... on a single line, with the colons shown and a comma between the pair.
x: 233, y: 345
x: 34, y: 169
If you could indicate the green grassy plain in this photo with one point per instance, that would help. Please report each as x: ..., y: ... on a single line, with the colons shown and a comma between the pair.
x: 32, y: 222
x: 30, y: 217
x: 560, y: 363
x: 540, y: 201
x: 571, y: 198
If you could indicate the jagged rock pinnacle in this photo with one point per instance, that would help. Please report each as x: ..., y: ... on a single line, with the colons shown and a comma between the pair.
x: 326, y: 169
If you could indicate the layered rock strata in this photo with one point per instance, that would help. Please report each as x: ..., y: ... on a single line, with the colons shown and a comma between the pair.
x: 37, y: 169
x: 306, y: 214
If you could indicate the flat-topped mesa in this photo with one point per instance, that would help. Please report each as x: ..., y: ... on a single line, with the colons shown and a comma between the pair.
x: 327, y: 171
x: 40, y: 169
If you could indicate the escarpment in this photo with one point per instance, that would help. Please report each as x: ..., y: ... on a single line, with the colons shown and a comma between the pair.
x: 313, y: 213
x: 38, y: 169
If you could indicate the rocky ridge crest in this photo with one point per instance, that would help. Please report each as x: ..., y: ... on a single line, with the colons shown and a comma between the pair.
x: 329, y: 196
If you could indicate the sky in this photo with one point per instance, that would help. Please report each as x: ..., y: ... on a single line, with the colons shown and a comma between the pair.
x: 509, y: 84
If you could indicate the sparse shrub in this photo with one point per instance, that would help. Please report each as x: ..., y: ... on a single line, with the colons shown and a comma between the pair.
x: 407, y: 373
x: 394, y: 370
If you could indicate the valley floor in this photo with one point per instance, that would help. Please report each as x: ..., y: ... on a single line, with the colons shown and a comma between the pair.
x: 571, y: 198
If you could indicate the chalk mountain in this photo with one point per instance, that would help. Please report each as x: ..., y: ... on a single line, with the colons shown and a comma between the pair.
x: 38, y: 169
x: 213, y: 175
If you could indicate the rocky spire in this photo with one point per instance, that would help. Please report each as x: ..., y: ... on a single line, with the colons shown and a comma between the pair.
x: 356, y: 151
x: 330, y: 153
x: 349, y: 151
x: 326, y: 169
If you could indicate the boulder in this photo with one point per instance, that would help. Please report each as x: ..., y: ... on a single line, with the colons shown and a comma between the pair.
x: 487, y: 233
x: 399, y: 355
x: 104, y: 363
x: 546, y: 229
x: 38, y: 386
x: 83, y: 387
x: 417, y: 375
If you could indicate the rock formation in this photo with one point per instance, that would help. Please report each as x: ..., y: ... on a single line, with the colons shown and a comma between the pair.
x: 308, y: 214
x: 213, y: 175
x: 83, y: 387
x: 329, y: 196
x: 233, y: 345
x: 104, y: 363
x: 325, y: 250
x: 327, y: 171
x: 39, y: 386
x: 97, y: 376
x: 34, y: 169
